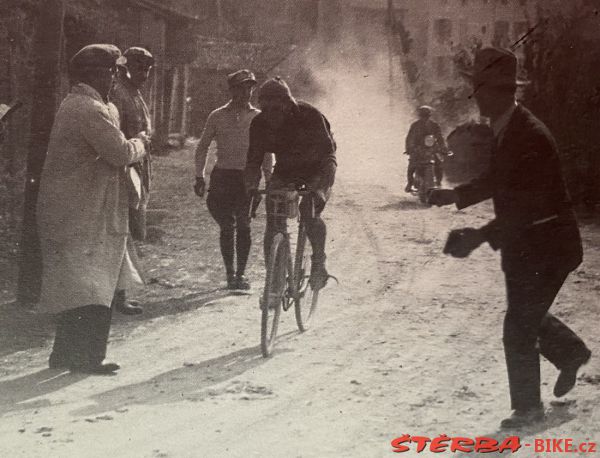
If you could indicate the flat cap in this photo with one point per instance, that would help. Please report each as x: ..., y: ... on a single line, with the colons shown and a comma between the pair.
x: 97, y: 55
x: 138, y: 54
x: 240, y: 77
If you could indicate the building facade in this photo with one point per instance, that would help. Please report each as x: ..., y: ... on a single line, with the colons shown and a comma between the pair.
x: 440, y: 29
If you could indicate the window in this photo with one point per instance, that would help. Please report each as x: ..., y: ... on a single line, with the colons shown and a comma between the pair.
x: 519, y: 30
x: 443, y: 31
x: 443, y: 66
x: 501, y: 37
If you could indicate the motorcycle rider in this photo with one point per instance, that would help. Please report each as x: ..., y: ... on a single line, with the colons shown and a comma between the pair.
x: 424, y: 133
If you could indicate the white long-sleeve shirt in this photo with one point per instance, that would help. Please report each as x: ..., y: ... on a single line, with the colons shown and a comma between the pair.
x: 229, y: 126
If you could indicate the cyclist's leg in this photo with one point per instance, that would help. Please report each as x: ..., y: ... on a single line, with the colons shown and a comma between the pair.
x: 243, y: 239
x: 316, y: 231
x: 438, y: 171
x: 276, y: 183
x: 410, y: 174
x: 221, y: 209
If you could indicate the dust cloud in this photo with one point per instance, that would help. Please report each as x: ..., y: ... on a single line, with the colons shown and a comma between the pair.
x: 364, y: 96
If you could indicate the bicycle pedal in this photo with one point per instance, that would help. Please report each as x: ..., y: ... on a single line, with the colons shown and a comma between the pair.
x: 337, y: 282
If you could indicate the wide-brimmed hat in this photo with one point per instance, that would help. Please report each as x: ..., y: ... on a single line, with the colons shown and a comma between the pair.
x: 495, y: 67
x: 96, y: 55
x: 241, y: 77
x: 137, y: 54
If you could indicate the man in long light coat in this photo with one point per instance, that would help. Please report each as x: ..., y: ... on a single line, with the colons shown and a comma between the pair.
x: 83, y: 213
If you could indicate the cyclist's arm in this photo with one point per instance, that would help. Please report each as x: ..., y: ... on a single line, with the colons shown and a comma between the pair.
x: 409, y: 143
x: 325, y: 145
x: 440, y: 139
x: 256, y: 156
x: 268, y: 164
x: 208, y: 134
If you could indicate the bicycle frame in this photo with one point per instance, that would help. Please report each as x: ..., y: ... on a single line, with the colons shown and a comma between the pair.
x: 280, y: 202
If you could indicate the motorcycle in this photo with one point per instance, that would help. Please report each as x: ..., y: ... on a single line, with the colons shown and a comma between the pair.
x: 424, y: 163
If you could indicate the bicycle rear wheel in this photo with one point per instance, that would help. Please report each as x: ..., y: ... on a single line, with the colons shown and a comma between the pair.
x: 274, y: 293
x: 305, y: 301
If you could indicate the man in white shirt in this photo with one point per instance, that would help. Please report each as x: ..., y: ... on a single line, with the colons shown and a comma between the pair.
x: 227, y: 199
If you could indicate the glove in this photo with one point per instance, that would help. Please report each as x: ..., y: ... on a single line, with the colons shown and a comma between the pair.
x: 461, y: 242
x: 441, y: 197
x: 199, y: 186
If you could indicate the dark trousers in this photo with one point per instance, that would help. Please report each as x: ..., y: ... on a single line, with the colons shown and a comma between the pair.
x: 530, y: 330
x: 410, y: 173
x: 438, y: 171
x: 228, y: 204
x: 81, y: 336
x: 316, y: 229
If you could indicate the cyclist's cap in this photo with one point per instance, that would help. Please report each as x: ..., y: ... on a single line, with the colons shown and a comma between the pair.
x: 137, y: 54
x: 275, y: 88
x: 241, y: 77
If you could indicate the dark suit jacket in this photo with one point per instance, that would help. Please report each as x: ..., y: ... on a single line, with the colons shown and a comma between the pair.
x: 535, y: 227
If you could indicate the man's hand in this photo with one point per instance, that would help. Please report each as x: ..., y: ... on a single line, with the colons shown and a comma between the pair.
x: 199, y: 186
x: 319, y: 200
x: 461, y: 242
x: 441, y: 197
x: 144, y: 137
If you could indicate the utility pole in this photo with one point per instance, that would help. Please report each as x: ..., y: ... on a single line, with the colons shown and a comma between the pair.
x: 219, y: 19
x: 47, y: 53
x: 391, y: 21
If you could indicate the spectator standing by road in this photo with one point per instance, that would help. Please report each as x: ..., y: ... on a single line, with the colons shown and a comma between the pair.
x: 227, y: 199
x: 534, y: 229
x: 134, y: 117
x: 83, y: 213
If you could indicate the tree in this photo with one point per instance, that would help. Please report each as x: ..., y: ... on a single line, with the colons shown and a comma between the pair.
x: 47, y: 52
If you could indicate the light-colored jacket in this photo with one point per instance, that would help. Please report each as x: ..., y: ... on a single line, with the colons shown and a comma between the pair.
x: 82, y: 211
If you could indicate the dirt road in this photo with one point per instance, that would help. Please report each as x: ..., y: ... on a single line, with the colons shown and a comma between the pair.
x: 408, y: 343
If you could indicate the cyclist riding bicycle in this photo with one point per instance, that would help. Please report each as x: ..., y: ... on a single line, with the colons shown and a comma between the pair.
x: 424, y: 136
x: 301, y: 139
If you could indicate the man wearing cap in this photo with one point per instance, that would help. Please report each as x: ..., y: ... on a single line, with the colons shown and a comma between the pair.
x: 300, y: 137
x: 418, y: 133
x: 534, y: 229
x: 227, y: 199
x: 134, y: 117
x: 82, y: 213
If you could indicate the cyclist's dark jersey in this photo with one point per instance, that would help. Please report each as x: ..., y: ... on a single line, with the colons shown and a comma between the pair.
x: 302, y: 145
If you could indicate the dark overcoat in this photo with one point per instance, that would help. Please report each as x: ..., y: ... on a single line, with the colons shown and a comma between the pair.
x: 535, y: 227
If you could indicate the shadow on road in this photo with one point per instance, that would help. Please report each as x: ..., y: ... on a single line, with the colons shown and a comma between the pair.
x: 404, y: 205
x: 22, y: 329
x: 556, y: 416
x: 15, y: 392
x: 189, y: 383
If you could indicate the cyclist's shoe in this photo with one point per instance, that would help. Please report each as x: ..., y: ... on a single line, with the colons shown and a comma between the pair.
x: 408, y: 188
x: 318, y: 274
x: 232, y: 282
x: 241, y: 282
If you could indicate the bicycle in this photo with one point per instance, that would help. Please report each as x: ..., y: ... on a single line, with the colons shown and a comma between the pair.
x: 287, y: 283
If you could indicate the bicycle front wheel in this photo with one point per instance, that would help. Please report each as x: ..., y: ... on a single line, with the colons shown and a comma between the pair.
x: 305, y: 300
x: 274, y: 293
